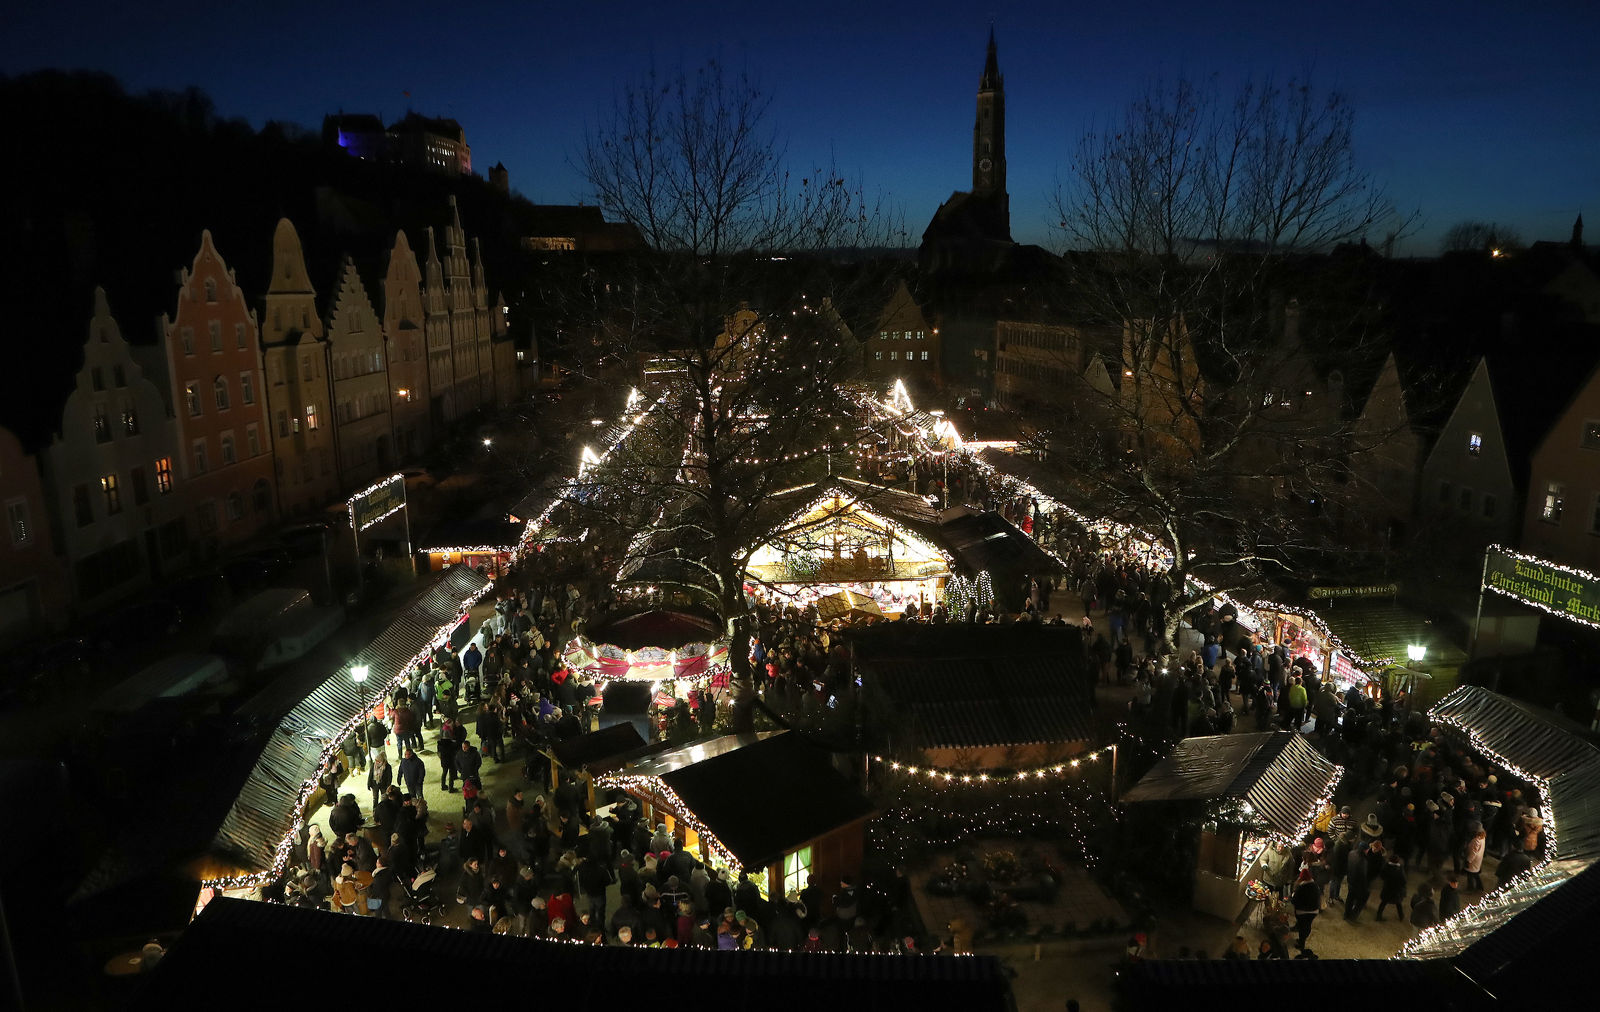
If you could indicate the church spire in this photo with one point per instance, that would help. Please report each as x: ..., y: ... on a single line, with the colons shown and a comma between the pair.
x: 1577, y: 232
x: 991, y: 79
x: 989, y: 145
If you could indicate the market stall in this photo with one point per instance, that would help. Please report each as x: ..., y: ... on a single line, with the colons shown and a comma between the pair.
x: 652, y: 645
x: 769, y: 803
x: 1258, y: 791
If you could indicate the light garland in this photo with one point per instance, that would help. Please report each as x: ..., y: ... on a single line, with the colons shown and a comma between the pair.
x: 467, y: 550
x: 1366, y: 664
x: 630, y: 783
x: 1545, y: 564
x: 950, y: 777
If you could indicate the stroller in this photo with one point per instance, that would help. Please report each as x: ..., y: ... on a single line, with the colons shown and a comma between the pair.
x: 421, y: 902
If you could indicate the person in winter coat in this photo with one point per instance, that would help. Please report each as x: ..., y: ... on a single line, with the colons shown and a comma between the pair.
x: 489, y: 732
x: 1472, y: 858
x: 1423, y: 912
x: 470, y: 887
x: 413, y: 775
x: 1307, y: 900
x: 407, y: 726
x: 379, y: 777
x: 1393, y: 892
x: 377, y: 734
x: 469, y: 763
x: 1449, y: 897
x: 449, y: 750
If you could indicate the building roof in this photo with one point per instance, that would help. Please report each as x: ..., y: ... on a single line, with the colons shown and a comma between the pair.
x: 228, y: 945
x: 1278, y: 772
x: 490, y: 533
x: 988, y: 543
x: 269, y: 801
x: 979, y: 686
x: 762, y: 795
x: 1378, y: 630
x: 608, y: 743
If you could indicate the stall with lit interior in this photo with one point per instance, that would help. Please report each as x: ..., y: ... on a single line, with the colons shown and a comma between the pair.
x: 1253, y: 791
x: 770, y: 804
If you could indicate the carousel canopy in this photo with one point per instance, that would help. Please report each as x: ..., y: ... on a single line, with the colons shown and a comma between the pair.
x: 1278, y: 772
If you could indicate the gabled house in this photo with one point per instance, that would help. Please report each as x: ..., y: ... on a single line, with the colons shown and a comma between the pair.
x: 1385, y: 457
x: 1562, y: 518
x: 1467, y: 483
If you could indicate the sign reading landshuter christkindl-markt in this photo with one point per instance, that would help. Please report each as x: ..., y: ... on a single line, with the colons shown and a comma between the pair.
x: 1560, y: 590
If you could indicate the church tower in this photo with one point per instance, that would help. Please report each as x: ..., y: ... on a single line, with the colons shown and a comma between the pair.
x: 989, y: 139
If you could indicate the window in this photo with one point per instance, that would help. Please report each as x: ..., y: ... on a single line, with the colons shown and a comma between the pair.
x: 191, y: 394
x: 1445, y: 489
x: 102, y: 425
x: 924, y: 356
x: 305, y: 367
x: 228, y: 456
x: 894, y: 356
x: 1474, y: 444
x: 82, y: 506
x: 1554, y: 493
x: 1591, y: 434
x: 219, y: 390
x: 20, y: 525
x: 216, y: 335
x: 1489, y: 505
x: 141, y: 488
x: 200, y: 466
x: 238, y: 335
x: 119, y: 379
x: 97, y: 381
x: 252, y: 439
x: 164, y: 475
x: 247, y: 388
x: 311, y: 417
x: 130, y: 422
x: 211, y: 289
x: 796, y: 870
x: 283, y: 424
x: 1466, y: 500
x: 108, y: 487
x: 922, y: 335
x: 187, y: 336
x: 262, y: 496
x: 879, y: 356
x: 235, y: 506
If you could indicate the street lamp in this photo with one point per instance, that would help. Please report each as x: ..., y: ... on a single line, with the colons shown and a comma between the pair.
x: 487, y: 442
x: 358, y: 673
x: 1416, y: 651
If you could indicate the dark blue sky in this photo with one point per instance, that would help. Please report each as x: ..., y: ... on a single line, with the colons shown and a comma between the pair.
x: 1467, y: 108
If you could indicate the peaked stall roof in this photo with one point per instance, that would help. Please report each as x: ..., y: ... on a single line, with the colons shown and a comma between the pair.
x: 761, y: 795
x: 1279, y: 773
x: 271, y: 799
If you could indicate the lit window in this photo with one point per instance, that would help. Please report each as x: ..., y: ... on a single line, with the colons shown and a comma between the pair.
x: 18, y: 522
x: 796, y: 870
x: 219, y: 390
x: 1474, y: 444
x: 878, y: 356
x: 311, y: 416
x: 1554, y: 495
x: 164, y: 475
x: 191, y: 394
x: 130, y: 422
x: 108, y: 486
x: 894, y: 356
x: 102, y: 426
x: 924, y: 356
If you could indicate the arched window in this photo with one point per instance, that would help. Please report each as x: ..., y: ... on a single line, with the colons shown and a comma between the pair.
x: 211, y: 289
x: 262, y: 495
x: 220, y: 390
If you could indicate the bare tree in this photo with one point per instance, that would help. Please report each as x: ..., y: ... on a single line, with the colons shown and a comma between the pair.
x: 1480, y: 237
x: 738, y: 310
x: 1223, y: 238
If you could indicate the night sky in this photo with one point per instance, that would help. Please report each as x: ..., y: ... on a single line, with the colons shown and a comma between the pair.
x: 1468, y: 109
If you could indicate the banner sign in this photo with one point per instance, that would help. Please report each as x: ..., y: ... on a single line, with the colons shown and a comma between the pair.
x: 1560, y: 590
x: 378, y: 502
x: 1370, y: 590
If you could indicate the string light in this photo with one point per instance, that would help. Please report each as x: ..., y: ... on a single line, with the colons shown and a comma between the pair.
x: 369, y: 490
x: 633, y: 783
x: 949, y: 776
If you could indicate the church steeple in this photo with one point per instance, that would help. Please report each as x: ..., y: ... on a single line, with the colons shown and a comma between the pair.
x: 1577, y: 232
x: 989, y: 140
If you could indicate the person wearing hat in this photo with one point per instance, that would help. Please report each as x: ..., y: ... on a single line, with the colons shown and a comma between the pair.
x: 1424, y: 914
x: 1393, y: 891
x: 1307, y: 899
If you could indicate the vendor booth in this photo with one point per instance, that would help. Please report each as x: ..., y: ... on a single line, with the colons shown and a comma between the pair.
x: 653, y: 645
x: 1258, y: 790
x: 484, y: 545
x: 592, y: 755
x: 770, y: 804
